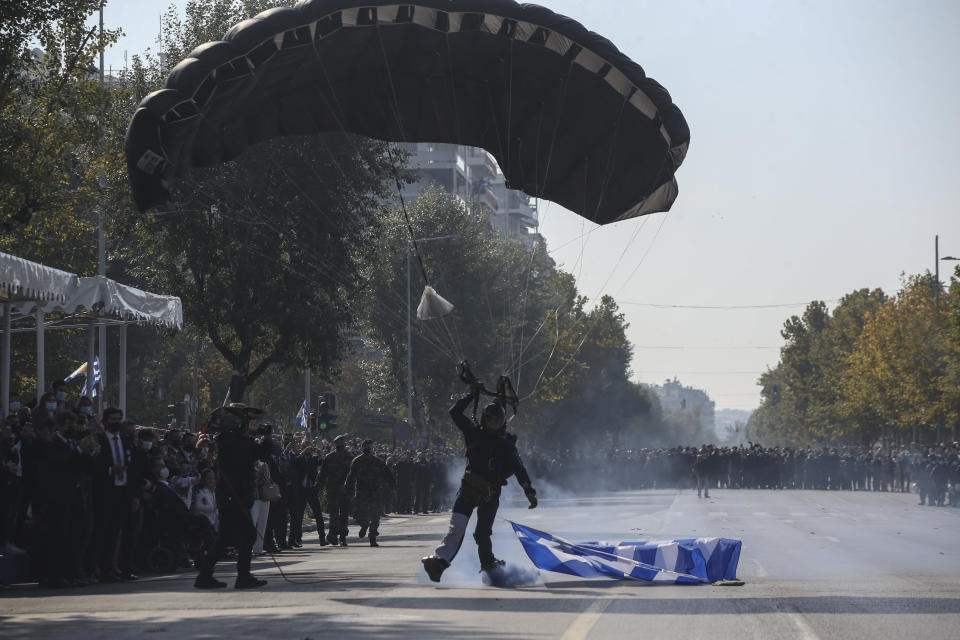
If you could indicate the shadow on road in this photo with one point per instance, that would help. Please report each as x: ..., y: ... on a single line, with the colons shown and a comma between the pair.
x: 254, y: 625
x: 681, y: 606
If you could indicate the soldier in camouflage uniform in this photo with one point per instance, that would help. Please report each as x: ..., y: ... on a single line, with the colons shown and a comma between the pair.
x: 367, y: 474
x: 333, y: 473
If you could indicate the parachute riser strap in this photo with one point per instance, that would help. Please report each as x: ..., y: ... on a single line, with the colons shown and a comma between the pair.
x: 406, y: 217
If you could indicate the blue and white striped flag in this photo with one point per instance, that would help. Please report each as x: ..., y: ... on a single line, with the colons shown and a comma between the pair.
x: 673, y: 561
x: 96, y: 377
x: 303, y: 416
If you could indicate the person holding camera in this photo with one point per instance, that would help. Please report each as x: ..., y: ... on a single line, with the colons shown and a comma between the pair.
x: 238, y: 450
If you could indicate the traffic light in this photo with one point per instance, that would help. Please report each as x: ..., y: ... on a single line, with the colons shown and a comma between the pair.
x: 325, y: 417
x: 330, y: 397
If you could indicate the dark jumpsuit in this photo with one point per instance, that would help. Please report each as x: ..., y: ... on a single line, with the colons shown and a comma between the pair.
x: 494, y: 458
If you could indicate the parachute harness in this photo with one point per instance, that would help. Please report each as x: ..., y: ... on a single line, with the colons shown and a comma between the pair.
x: 504, y: 395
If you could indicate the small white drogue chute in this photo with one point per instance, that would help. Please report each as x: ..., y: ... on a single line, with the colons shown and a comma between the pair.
x: 432, y: 305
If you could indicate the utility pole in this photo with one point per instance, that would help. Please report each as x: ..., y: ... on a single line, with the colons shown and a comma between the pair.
x: 101, y: 261
x: 409, y: 346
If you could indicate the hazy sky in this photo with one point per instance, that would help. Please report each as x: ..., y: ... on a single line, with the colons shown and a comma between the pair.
x: 824, y: 157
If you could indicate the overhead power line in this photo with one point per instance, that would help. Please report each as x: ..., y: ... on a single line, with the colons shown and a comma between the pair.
x: 660, y: 346
x: 722, y: 307
x: 704, y: 373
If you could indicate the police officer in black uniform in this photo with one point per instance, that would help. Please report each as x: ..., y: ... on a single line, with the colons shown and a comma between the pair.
x: 492, y: 458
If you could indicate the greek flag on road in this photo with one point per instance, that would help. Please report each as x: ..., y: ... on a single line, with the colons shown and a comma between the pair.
x: 692, y: 560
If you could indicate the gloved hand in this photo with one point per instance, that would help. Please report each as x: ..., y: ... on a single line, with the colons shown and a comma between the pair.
x: 531, y: 496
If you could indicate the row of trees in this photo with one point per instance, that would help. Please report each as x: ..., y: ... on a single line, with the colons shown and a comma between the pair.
x: 877, y: 367
x: 292, y: 257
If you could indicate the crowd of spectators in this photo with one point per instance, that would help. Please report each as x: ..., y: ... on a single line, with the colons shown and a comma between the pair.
x: 92, y: 498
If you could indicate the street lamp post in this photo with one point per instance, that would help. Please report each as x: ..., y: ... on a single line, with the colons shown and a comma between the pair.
x: 410, y: 242
x: 936, y: 261
x: 936, y: 266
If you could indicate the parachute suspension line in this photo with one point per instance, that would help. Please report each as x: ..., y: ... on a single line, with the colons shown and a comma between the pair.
x: 556, y: 321
x: 597, y: 318
x: 393, y: 90
x: 604, y: 185
x: 533, y: 255
x: 453, y: 86
x: 396, y: 176
x: 339, y: 116
x: 406, y: 217
x: 549, y: 162
x: 510, y: 105
x: 456, y: 334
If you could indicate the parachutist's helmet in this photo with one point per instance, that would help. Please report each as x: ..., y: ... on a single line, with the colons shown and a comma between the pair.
x: 493, y: 417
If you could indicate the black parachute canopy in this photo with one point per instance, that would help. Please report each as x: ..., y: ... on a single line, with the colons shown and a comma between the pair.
x: 567, y: 116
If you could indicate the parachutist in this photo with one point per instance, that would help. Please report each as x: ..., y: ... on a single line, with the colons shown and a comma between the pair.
x: 492, y: 458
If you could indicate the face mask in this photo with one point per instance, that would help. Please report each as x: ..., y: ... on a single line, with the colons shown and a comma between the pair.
x: 61, y: 396
x: 51, y: 406
x: 146, y: 445
x: 87, y: 411
x: 164, y: 473
x: 14, y: 406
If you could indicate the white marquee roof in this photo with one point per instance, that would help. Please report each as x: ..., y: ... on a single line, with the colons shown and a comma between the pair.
x: 34, y: 286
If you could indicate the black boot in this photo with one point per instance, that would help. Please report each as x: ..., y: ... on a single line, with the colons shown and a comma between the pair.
x: 248, y: 581
x: 434, y: 566
x: 373, y: 540
x: 323, y: 539
x: 363, y: 532
x: 491, y: 564
x: 208, y: 582
x: 343, y: 541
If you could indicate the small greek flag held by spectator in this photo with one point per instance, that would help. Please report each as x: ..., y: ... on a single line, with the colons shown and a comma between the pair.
x: 693, y: 560
x: 303, y: 416
x: 96, y: 377
x: 80, y: 371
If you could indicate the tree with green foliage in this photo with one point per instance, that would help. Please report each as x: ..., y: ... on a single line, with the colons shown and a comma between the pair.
x: 874, y: 367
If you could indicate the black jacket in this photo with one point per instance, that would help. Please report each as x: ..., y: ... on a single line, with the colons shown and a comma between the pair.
x: 237, y: 455
x: 492, y: 456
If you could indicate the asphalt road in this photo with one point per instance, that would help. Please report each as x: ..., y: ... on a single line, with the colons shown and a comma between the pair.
x: 816, y: 565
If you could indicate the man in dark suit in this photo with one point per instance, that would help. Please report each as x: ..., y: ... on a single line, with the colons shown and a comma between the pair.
x: 62, y: 462
x: 116, y: 483
x: 275, y: 539
x: 296, y: 496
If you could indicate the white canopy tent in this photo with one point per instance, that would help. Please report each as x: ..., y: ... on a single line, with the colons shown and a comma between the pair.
x: 29, y: 290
